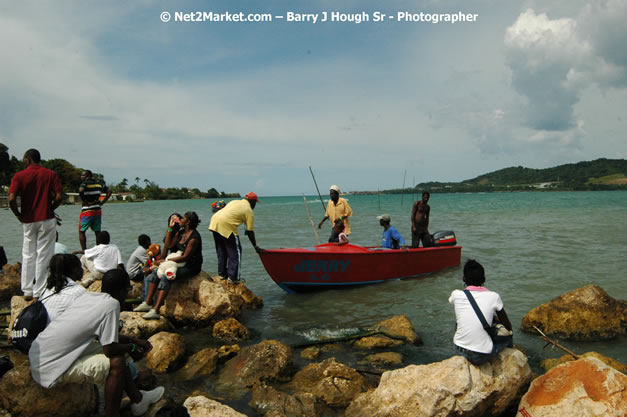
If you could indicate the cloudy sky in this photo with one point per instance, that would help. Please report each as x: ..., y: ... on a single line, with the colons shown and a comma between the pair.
x: 243, y: 106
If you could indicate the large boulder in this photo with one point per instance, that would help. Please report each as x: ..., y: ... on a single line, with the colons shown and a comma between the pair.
x: 241, y: 294
x: 230, y: 330
x: 269, y: 360
x: 199, y: 364
x: 383, y: 359
x: 553, y: 362
x: 587, y: 313
x: 394, y: 332
x: 377, y: 342
x: 10, y: 281
x: 200, y: 406
x: 399, y: 327
x: 268, y: 401
x: 134, y: 325
x: 310, y: 353
x: 15, y: 269
x: 587, y: 385
x: 167, y: 353
x: 453, y: 387
x: 200, y: 301
x: 20, y: 395
x: 333, y: 382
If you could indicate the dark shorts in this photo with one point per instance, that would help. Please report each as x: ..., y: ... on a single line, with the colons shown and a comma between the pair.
x: 421, y: 234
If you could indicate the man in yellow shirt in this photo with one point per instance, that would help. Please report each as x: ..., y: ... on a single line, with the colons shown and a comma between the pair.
x: 337, y: 209
x: 224, y: 224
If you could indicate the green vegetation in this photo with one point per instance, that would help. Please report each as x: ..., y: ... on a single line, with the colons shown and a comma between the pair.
x: 600, y: 174
x: 70, y: 176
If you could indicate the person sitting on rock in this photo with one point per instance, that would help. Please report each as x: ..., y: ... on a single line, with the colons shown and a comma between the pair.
x: 61, y: 288
x: 101, y: 258
x: 471, y: 339
x: 138, y: 259
x: 187, y: 240
x: 83, y: 345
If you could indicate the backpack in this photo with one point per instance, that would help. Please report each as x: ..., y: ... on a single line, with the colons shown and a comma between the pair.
x: 30, y: 322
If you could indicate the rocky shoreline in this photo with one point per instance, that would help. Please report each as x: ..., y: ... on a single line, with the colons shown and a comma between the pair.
x: 272, y: 379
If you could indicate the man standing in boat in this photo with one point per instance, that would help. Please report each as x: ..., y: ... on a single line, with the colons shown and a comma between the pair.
x: 337, y: 209
x: 420, y: 222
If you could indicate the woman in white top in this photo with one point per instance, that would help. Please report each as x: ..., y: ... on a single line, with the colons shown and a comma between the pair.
x: 471, y: 339
x: 61, y: 288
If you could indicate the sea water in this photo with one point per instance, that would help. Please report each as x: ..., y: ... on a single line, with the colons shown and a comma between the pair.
x: 534, y: 247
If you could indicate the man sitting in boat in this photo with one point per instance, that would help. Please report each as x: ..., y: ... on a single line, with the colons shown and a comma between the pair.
x: 392, y: 239
x: 337, y: 208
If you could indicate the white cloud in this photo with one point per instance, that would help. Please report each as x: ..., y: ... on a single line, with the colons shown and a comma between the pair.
x: 553, y: 60
x: 111, y: 79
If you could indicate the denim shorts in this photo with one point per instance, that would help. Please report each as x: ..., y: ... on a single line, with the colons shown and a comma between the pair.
x: 477, y: 358
x: 164, y: 283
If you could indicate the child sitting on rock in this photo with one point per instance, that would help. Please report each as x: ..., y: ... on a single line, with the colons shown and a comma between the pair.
x: 138, y: 259
x: 100, y: 259
x: 471, y: 340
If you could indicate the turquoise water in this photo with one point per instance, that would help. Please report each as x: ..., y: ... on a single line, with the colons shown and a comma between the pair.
x: 534, y: 246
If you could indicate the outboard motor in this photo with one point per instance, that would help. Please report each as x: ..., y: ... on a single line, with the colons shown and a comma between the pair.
x: 444, y: 238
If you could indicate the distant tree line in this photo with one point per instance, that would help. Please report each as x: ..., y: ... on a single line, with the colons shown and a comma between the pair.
x: 70, y: 176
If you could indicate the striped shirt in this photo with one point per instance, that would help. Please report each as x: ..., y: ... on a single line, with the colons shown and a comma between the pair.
x: 90, y: 192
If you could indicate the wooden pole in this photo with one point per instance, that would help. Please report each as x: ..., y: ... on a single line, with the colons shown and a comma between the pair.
x: 324, y: 209
x: 313, y: 226
x: 403, y: 194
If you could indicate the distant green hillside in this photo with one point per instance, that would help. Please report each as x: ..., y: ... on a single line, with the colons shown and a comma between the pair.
x: 579, y: 173
x: 600, y: 174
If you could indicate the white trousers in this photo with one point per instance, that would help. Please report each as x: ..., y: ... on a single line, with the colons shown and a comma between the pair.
x: 38, y: 248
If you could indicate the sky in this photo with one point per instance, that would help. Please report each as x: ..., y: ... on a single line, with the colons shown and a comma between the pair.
x: 250, y: 106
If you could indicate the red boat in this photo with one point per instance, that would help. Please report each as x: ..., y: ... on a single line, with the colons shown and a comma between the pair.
x: 331, y: 266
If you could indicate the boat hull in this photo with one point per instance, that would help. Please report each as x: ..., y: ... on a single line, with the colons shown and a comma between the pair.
x: 331, y: 266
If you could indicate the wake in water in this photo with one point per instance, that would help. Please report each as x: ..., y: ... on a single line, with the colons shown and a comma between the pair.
x: 326, y: 334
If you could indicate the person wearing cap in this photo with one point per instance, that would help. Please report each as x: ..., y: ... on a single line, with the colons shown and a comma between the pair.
x: 224, y: 224
x: 337, y: 209
x: 217, y: 205
x: 392, y: 239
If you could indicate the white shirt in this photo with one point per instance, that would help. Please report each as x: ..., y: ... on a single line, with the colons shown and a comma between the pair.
x: 104, y: 257
x: 470, y: 334
x: 69, y: 335
x: 56, y: 303
x: 60, y: 248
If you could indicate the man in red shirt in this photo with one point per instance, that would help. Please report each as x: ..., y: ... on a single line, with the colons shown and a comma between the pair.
x: 41, y: 193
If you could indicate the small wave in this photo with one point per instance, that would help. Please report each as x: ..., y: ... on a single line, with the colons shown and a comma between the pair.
x: 320, y: 334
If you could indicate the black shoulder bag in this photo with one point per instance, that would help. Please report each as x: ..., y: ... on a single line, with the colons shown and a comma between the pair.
x: 29, y: 323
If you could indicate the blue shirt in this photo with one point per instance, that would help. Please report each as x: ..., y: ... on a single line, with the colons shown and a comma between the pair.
x: 392, y: 239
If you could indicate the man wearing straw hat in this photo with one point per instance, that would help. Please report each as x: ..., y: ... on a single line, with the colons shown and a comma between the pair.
x: 337, y: 209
